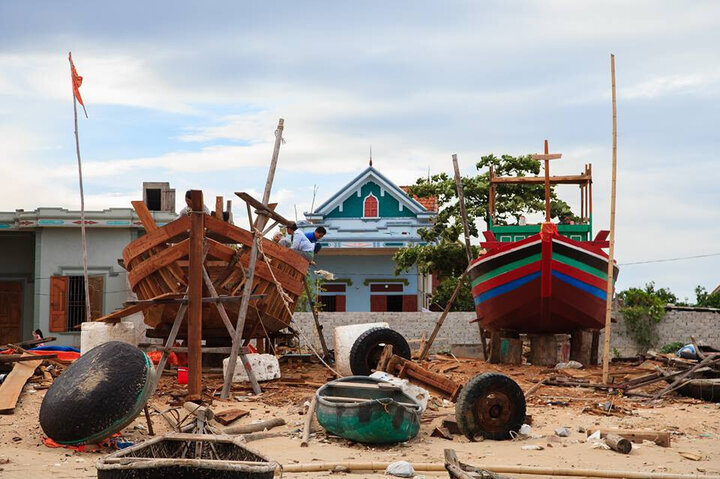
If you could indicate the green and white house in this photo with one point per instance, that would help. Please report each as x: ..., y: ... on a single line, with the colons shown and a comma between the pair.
x: 367, y: 221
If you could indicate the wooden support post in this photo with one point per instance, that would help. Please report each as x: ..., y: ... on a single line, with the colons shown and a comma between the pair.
x: 219, y: 207
x: 250, y: 275
x: 441, y: 320
x: 195, y: 294
x: 611, y: 253
x: 547, y: 184
x: 466, y: 231
x: 318, y: 326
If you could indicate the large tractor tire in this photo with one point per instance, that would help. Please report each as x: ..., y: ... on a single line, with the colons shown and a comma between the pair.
x: 365, y: 352
x: 490, y: 405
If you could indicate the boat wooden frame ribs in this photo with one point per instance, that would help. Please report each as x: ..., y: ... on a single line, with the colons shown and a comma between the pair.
x: 157, y: 265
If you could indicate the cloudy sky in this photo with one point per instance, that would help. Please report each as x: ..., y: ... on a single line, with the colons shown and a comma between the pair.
x: 191, y: 92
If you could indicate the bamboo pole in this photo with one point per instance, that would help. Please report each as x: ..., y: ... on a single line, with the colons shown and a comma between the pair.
x: 530, y: 470
x: 247, y: 287
x: 611, y: 253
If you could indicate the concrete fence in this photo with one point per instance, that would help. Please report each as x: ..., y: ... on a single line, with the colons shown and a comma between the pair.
x: 678, y: 324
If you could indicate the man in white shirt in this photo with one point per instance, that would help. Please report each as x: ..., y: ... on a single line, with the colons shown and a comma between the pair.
x: 186, y: 211
x: 300, y: 243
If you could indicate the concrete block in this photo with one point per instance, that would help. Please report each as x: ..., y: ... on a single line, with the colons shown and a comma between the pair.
x: 265, y: 367
x: 473, y: 351
x: 94, y: 334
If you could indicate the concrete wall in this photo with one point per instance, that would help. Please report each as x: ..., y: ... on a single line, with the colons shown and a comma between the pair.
x: 456, y: 329
x: 59, y: 252
x: 17, y: 263
x: 359, y: 268
x: 678, y: 324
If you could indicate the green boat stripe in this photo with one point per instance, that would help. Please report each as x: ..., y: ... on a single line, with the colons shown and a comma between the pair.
x: 505, y: 268
x: 579, y: 265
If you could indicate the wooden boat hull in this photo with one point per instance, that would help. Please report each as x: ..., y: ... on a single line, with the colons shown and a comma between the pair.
x: 544, y: 284
x: 381, y: 419
x: 157, y: 266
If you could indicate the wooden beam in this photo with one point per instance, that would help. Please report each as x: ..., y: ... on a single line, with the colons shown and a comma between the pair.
x: 263, y: 210
x: 537, y: 180
x: 16, y: 358
x: 195, y: 294
x: 250, y: 275
x: 144, y: 215
x: 547, y: 156
x: 219, y: 207
x: 441, y: 320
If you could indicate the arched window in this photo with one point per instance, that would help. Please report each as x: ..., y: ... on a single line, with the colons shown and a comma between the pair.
x: 370, y: 206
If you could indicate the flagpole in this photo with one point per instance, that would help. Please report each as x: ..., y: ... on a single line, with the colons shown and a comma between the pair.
x: 82, y: 212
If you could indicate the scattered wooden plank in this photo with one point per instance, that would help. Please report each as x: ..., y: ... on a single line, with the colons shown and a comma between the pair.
x: 13, y: 358
x: 226, y: 417
x: 658, y: 437
x: 13, y: 385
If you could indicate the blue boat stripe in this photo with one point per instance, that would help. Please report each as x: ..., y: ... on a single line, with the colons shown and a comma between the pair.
x: 509, y: 286
x: 580, y: 285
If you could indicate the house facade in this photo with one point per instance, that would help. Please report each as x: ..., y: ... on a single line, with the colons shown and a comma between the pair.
x: 41, y: 268
x: 367, y: 221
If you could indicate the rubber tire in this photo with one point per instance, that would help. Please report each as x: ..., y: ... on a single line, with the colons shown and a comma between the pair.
x: 368, y: 341
x: 480, y: 386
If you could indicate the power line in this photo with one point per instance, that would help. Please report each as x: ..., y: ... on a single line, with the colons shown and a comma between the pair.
x: 670, y: 259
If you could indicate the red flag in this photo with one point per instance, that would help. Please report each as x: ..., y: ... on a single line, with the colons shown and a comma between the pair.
x: 76, y: 82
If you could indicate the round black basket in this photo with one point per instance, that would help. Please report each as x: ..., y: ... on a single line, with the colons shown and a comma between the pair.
x: 97, y: 395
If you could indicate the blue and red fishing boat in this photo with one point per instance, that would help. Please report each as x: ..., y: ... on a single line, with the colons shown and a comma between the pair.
x: 543, y: 278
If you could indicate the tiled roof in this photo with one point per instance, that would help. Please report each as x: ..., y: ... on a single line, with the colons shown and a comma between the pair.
x: 429, y: 203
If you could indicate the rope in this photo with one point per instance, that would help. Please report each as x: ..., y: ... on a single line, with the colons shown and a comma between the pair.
x: 286, y: 299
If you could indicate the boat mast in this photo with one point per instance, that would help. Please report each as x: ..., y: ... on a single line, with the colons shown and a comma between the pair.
x: 547, y: 157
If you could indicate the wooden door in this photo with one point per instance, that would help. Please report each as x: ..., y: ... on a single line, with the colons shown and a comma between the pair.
x: 378, y: 303
x: 10, y: 311
x: 58, y: 303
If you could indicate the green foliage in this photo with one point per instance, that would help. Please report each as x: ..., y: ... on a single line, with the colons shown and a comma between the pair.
x: 511, y: 200
x: 464, y: 300
x: 303, y: 302
x: 642, y: 309
x: 671, y: 347
x: 445, y: 255
x: 705, y: 299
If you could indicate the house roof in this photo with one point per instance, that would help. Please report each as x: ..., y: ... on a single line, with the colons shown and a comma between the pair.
x: 429, y: 203
x: 368, y: 174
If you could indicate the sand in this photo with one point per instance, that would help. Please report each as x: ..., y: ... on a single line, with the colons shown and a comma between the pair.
x: 695, y: 428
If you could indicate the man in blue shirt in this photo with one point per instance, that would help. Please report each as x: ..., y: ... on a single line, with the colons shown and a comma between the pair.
x: 316, y: 236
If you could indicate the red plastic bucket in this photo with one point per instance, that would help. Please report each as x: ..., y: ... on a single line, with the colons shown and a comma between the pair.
x: 182, y: 376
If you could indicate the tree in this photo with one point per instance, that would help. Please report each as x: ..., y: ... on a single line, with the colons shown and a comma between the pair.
x: 444, y: 255
x: 642, y: 309
x: 705, y: 299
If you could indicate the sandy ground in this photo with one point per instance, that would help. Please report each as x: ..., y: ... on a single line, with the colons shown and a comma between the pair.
x: 695, y: 428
